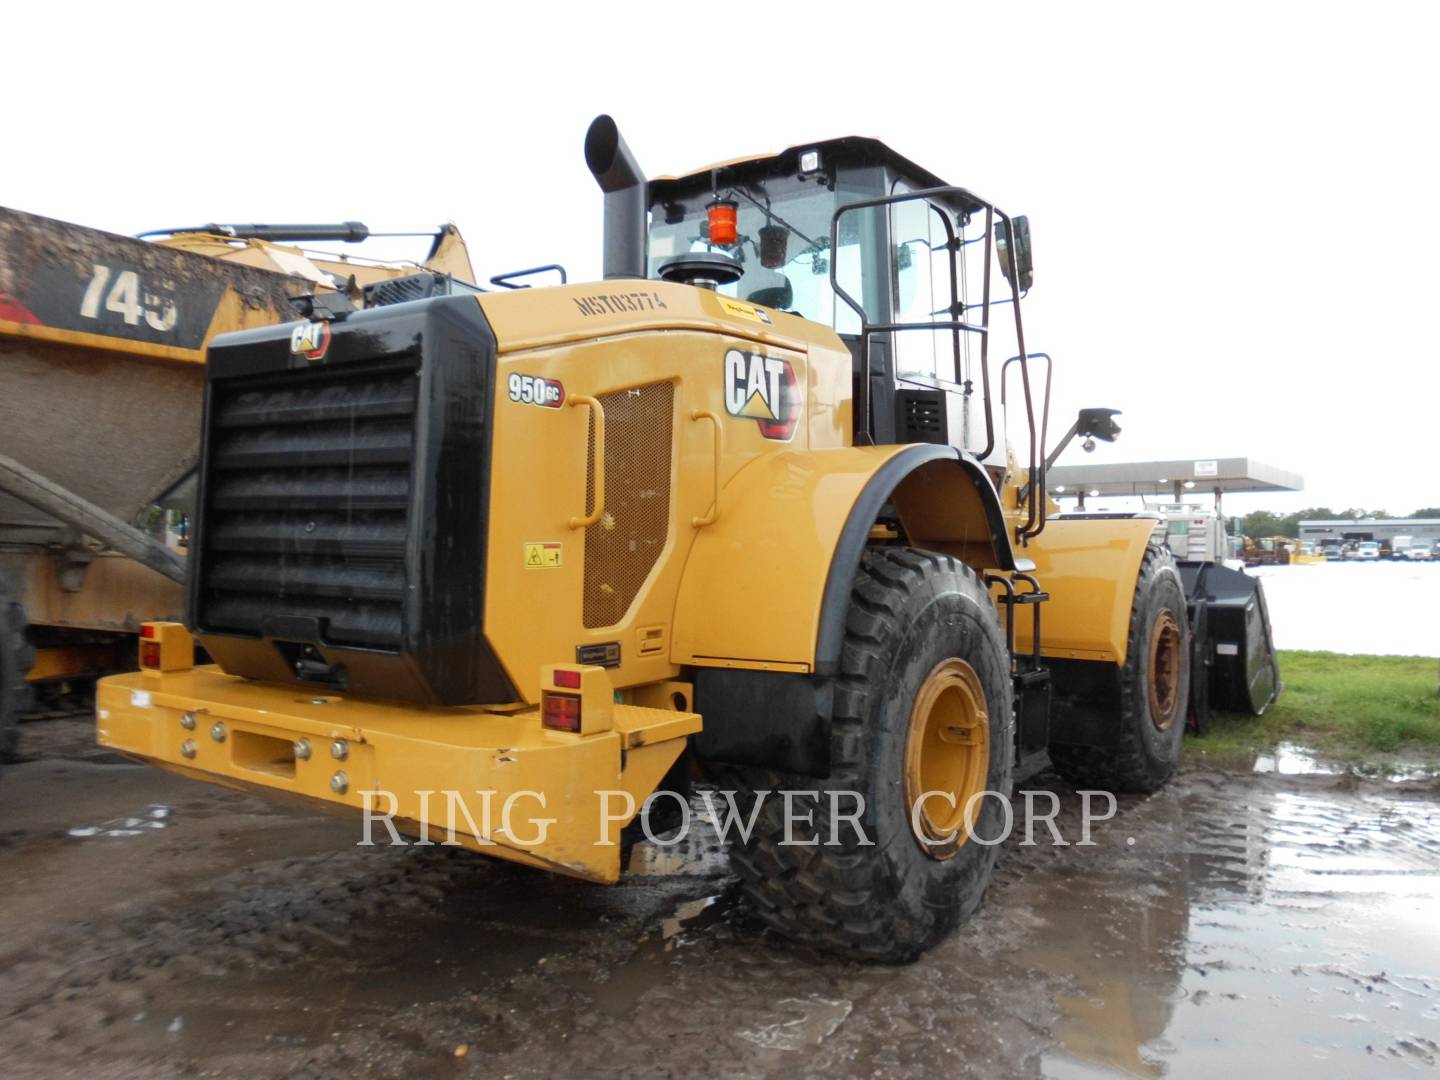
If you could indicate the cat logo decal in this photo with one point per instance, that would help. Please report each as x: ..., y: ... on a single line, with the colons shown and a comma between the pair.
x: 763, y: 389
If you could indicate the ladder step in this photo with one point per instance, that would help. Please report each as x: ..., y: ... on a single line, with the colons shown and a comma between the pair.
x: 1023, y: 598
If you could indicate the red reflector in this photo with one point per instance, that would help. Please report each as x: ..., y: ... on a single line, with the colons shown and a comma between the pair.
x: 150, y: 654
x: 560, y: 711
x: 723, y: 231
x: 568, y: 679
x: 147, y: 629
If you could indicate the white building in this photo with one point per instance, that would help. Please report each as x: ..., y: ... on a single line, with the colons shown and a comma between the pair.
x: 1381, y: 529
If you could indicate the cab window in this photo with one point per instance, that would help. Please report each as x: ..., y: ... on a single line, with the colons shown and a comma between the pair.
x: 783, y: 247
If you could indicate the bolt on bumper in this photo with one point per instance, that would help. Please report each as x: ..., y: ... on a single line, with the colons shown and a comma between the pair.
x: 406, y: 761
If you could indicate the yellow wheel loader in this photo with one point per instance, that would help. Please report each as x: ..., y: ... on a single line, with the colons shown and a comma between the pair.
x: 494, y: 569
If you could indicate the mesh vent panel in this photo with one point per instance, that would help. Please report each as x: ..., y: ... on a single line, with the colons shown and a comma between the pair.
x: 622, y: 547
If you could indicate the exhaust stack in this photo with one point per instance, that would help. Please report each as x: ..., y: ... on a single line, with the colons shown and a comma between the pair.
x: 620, y: 178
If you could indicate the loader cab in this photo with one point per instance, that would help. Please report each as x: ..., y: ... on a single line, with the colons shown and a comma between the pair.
x: 852, y: 235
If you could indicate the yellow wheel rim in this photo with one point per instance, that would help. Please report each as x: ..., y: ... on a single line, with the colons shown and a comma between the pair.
x: 947, y: 750
x: 1166, y: 642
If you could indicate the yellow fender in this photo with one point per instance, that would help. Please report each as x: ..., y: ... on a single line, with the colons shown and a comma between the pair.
x: 1089, y: 567
x: 766, y: 587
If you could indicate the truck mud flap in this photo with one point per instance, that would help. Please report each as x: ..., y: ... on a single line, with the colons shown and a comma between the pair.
x: 1233, y: 651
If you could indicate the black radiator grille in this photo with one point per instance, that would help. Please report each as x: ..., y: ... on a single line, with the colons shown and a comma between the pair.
x: 307, y: 505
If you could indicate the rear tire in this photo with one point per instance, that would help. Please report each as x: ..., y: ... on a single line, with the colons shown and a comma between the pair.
x: 16, y: 659
x: 1153, y: 688
x: 922, y: 700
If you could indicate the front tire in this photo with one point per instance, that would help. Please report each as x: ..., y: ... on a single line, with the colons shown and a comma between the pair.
x: 922, y: 703
x: 1152, y: 688
x: 16, y: 659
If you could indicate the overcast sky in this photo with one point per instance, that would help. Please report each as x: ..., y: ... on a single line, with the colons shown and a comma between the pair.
x: 1235, y: 207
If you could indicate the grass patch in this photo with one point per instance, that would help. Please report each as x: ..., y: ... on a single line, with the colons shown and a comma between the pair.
x: 1342, y: 705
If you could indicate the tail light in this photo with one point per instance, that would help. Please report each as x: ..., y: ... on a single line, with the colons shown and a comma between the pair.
x: 578, y: 698
x: 560, y: 712
x: 165, y: 646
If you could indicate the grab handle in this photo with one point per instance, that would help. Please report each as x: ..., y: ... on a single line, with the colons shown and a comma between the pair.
x: 597, y: 412
x: 713, y: 514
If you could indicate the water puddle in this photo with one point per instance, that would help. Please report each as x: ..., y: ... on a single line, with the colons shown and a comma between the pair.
x: 1401, y: 772
x: 1290, y: 932
x: 694, y: 916
x: 155, y: 816
x: 815, y: 1020
x: 1287, y: 759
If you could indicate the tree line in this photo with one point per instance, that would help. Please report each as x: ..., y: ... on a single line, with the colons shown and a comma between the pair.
x: 1265, y: 523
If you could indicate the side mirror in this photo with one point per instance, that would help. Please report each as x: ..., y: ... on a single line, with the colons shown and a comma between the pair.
x: 1024, y: 268
x: 1099, y: 424
x: 1092, y: 424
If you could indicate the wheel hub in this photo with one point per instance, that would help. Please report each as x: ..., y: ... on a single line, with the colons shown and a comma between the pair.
x: 947, y: 751
x: 1166, y: 642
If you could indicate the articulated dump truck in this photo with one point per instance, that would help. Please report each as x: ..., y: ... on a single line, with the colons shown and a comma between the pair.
x: 102, y: 342
x: 745, y: 512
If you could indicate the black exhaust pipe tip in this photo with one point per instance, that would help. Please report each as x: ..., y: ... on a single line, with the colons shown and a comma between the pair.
x: 618, y: 174
x: 608, y: 158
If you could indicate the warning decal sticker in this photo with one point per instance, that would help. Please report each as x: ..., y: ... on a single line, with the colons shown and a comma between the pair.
x: 745, y: 311
x: 542, y: 555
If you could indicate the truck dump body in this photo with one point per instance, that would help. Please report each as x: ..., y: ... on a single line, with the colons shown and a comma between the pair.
x: 102, y: 341
x: 101, y: 359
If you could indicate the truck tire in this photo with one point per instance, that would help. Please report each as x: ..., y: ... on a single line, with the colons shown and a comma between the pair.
x: 922, y: 701
x: 16, y: 659
x: 1152, y: 687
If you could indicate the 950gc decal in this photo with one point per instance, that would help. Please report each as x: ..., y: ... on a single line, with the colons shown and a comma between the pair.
x: 763, y: 389
x: 535, y: 390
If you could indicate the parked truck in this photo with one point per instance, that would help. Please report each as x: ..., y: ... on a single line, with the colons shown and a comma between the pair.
x: 102, y: 341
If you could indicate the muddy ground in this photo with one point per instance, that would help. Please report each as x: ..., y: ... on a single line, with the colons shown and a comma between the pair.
x: 1234, y: 925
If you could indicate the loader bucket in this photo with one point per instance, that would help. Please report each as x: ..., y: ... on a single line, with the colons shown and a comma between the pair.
x: 1235, y: 669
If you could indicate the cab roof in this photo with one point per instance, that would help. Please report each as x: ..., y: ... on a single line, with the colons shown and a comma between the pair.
x: 851, y: 150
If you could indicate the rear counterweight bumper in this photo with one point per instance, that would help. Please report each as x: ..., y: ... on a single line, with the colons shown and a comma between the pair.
x: 445, y: 773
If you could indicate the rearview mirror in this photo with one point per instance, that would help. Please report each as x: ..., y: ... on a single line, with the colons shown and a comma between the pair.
x: 1099, y: 423
x: 774, y: 245
x: 1024, y: 269
x: 1092, y: 424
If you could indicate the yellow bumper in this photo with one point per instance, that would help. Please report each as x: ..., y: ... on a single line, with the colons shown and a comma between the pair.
x: 447, y: 773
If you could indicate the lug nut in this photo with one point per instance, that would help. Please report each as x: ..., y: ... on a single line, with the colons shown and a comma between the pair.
x: 339, y: 783
x: 302, y: 749
x: 339, y: 750
x: 218, y: 732
x: 187, y: 721
x: 187, y: 748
